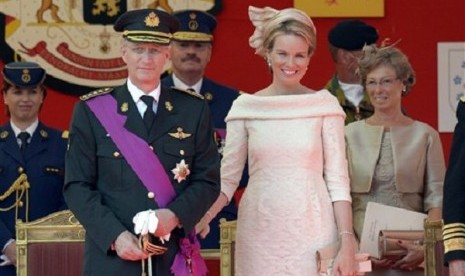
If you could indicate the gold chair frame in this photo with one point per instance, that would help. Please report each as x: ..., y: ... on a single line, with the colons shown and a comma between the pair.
x: 227, y: 245
x: 434, y: 249
x: 59, y: 227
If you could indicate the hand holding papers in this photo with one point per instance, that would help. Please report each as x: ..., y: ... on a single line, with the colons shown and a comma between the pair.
x: 380, y: 217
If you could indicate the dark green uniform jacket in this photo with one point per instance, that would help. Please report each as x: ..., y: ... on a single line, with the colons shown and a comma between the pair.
x: 104, y: 192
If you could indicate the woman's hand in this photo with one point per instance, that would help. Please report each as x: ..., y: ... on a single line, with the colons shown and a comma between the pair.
x: 202, y: 228
x: 382, y: 263
x: 415, y: 256
x: 345, y: 264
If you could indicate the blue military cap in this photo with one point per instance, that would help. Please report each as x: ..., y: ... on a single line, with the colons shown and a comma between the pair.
x: 195, y: 25
x: 147, y: 25
x: 352, y: 35
x: 24, y: 74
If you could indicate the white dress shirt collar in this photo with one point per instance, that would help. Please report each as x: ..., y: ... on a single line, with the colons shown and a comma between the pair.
x: 179, y: 84
x: 30, y: 129
x: 136, y: 93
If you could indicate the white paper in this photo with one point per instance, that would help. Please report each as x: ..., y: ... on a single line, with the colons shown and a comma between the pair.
x: 382, y: 217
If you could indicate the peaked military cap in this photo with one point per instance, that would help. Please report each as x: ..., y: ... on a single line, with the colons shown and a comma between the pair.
x: 352, y: 35
x: 195, y: 25
x: 24, y: 74
x: 147, y: 25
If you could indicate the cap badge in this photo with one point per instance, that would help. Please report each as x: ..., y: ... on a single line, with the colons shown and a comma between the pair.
x: 152, y: 20
x: 26, y: 77
x: 168, y: 106
x: 193, y: 24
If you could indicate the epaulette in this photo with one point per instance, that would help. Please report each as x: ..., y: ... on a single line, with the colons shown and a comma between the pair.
x: 462, y: 98
x: 65, y: 134
x: 192, y: 93
x: 95, y: 93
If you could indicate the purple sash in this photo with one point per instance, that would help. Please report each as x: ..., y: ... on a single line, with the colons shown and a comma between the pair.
x: 150, y: 171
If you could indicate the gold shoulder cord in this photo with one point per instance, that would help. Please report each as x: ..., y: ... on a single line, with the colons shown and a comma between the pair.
x: 21, y: 187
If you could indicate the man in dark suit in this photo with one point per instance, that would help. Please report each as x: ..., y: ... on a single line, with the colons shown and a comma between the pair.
x: 346, y: 40
x: 29, y: 152
x: 191, y: 51
x: 454, y: 199
x: 141, y: 159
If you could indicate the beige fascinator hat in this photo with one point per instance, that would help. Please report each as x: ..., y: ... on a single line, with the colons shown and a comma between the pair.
x: 267, y: 19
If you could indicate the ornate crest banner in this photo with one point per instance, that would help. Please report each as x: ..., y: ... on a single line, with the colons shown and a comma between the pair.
x: 74, y: 40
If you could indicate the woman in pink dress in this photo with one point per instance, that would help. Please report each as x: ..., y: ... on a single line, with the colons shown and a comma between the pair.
x: 298, y: 196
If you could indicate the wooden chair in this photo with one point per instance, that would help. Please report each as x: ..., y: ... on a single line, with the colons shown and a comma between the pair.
x: 227, y: 245
x: 434, y: 249
x: 50, y: 246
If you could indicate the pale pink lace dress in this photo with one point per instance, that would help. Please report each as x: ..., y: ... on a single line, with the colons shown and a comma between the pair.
x: 297, y: 165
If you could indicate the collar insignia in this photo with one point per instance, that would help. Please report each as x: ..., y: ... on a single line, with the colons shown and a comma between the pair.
x: 209, y: 96
x: 168, y: 106
x: 180, y: 134
x: 43, y: 133
x: 124, y: 107
x: 4, y: 134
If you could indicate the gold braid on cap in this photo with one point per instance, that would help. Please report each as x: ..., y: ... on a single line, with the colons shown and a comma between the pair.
x: 267, y: 19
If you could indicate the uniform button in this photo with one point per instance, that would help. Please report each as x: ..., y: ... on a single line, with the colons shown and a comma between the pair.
x: 150, y: 195
x: 20, y: 204
x: 115, y: 154
x: 20, y: 169
x: 181, y: 152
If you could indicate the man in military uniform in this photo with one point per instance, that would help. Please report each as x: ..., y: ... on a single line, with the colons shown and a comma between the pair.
x: 32, y: 158
x: 141, y: 160
x: 346, y: 40
x: 191, y: 51
x: 454, y: 199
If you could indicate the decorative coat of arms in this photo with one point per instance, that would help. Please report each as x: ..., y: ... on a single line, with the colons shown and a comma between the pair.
x: 74, y: 40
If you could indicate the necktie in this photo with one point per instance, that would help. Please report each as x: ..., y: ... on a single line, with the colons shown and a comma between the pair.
x: 23, y: 136
x: 190, y: 89
x: 149, y: 115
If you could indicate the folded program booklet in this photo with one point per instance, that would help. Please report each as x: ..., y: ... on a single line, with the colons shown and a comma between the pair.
x: 380, y: 217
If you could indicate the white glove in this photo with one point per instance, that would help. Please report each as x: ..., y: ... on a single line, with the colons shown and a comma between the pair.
x: 5, y: 260
x: 145, y: 222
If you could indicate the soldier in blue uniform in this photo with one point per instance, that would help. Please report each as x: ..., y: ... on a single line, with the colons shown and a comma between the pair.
x: 191, y: 51
x: 454, y: 199
x: 32, y: 158
x: 346, y: 40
